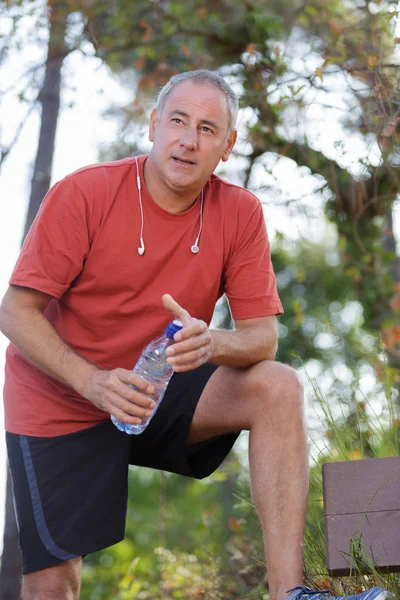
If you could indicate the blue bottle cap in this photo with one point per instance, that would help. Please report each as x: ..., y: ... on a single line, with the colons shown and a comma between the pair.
x: 172, y: 328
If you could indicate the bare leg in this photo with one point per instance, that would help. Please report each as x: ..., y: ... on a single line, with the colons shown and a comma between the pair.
x: 61, y: 582
x: 267, y: 400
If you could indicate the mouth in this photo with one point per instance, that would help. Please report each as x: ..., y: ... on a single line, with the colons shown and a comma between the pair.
x: 183, y: 161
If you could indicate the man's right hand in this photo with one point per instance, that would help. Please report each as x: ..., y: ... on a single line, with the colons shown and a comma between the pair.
x: 110, y: 391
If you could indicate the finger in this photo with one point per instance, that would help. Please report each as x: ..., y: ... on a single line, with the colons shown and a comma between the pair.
x: 193, y: 343
x: 132, y: 409
x: 176, y: 309
x: 120, y: 415
x: 130, y: 394
x: 194, y: 329
x: 189, y: 366
x: 124, y: 418
x: 131, y: 378
x: 124, y: 409
x: 193, y: 359
x: 130, y: 386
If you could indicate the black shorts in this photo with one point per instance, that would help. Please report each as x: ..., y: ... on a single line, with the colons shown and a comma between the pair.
x: 71, y: 490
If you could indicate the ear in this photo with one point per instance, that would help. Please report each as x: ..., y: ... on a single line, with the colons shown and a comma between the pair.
x: 229, y: 144
x: 153, y: 123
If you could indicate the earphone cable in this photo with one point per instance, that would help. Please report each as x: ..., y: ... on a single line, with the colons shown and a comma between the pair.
x: 141, y: 249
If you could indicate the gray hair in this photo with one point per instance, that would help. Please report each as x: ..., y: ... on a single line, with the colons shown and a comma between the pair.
x: 206, y: 77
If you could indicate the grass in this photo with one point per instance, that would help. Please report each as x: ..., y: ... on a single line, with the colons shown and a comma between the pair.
x: 354, y: 432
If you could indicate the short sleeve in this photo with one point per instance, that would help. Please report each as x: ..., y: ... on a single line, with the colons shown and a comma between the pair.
x: 249, y: 279
x: 58, y: 242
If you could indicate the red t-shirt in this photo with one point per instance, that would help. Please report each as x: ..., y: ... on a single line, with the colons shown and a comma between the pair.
x: 106, y: 305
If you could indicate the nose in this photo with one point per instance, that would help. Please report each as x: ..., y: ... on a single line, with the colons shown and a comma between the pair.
x: 189, y: 140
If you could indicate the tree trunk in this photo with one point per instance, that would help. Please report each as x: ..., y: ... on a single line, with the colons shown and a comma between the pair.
x: 389, y: 242
x: 10, y: 582
x: 49, y: 97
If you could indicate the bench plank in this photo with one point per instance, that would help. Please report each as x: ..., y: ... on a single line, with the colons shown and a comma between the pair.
x: 362, y: 502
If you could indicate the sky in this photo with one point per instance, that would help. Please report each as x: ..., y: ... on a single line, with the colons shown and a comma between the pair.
x: 81, y: 129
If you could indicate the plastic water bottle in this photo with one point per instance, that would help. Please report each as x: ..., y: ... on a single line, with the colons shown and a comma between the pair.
x: 152, y: 366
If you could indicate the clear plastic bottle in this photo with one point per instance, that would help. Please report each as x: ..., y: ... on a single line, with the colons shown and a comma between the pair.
x: 153, y: 367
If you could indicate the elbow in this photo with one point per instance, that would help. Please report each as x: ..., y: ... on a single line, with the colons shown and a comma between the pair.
x: 19, y: 307
x: 271, y: 351
x: 9, y: 316
x: 4, y: 320
x: 271, y: 346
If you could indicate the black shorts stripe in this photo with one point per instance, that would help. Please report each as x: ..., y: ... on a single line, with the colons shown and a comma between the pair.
x: 40, y: 520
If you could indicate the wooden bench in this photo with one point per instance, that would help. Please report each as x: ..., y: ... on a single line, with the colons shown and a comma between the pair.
x: 362, y: 514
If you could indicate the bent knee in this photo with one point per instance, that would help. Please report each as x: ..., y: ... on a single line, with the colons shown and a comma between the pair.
x: 278, y: 382
x: 289, y: 378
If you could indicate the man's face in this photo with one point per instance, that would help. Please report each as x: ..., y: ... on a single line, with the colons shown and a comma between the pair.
x: 190, y: 135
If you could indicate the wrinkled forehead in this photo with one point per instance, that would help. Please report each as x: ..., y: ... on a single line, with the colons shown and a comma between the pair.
x: 202, y: 100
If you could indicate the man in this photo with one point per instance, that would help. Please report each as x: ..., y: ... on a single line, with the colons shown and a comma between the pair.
x: 88, y: 292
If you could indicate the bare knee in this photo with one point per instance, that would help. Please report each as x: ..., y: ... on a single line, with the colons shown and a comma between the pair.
x: 61, y: 581
x: 287, y: 381
x: 277, y: 385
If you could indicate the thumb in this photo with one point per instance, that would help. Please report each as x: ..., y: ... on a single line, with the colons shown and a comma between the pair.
x: 173, y: 307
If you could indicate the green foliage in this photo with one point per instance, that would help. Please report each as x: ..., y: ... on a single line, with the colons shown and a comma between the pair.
x: 323, y: 318
x: 175, y: 538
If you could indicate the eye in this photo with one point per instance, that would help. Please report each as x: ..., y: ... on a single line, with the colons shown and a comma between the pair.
x: 206, y: 129
x: 176, y: 120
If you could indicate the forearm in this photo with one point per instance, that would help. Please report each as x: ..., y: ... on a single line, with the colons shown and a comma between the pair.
x: 119, y: 392
x: 37, y: 340
x: 243, y: 347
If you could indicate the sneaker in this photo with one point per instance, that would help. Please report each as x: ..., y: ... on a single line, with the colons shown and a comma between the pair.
x: 303, y: 593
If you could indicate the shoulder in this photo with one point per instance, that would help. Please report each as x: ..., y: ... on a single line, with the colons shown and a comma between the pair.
x: 88, y: 191
x: 113, y: 171
x: 230, y: 194
x: 233, y: 203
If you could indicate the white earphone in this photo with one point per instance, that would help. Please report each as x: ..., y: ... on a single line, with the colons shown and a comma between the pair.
x: 195, y: 248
